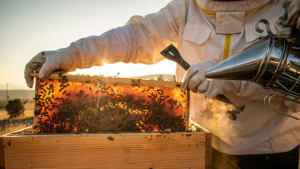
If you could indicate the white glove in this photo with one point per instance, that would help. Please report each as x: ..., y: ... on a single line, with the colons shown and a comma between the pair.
x: 293, y: 13
x: 284, y: 27
x: 49, y: 61
x: 195, y: 80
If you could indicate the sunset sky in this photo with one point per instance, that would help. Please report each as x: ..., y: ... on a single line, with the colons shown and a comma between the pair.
x: 31, y: 26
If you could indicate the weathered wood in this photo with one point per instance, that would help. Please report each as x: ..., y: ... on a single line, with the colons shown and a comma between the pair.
x: 2, y: 163
x: 143, y: 150
x: 208, y: 151
x: 82, y: 78
x: 187, y: 112
x: 132, y: 150
x: 35, y: 117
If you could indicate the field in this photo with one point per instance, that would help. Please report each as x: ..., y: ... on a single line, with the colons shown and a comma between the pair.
x: 10, y: 125
x: 17, y: 94
x: 3, y: 103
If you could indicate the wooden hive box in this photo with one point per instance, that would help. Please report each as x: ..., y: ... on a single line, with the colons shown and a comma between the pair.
x: 139, y: 124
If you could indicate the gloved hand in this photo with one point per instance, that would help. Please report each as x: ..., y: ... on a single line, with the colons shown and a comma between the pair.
x: 49, y: 61
x: 294, y: 107
x: 284, y: 27
x: 195, y: 80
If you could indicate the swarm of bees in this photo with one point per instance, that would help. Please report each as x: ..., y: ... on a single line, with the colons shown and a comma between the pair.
x: 97, y: 107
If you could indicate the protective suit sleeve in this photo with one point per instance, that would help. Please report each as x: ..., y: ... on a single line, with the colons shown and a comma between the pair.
x: 253, y: 91
x: 140, y: 41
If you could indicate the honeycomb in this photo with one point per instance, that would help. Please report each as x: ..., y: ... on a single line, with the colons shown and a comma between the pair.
x: 96, y: 105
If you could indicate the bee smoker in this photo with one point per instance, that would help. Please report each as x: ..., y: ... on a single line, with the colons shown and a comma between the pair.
x: 271, y: 62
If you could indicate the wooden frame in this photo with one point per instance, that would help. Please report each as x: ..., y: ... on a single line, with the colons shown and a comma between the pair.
x: 142, y: 150
x: 84, y: 78
x: 111, y: 80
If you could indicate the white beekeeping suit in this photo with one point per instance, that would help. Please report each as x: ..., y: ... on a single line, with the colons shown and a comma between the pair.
x: 202, y: 30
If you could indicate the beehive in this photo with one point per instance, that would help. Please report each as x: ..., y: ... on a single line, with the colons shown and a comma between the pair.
x: 142, y: 128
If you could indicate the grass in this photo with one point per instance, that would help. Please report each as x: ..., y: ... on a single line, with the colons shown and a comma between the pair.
x: 7, y: 126
x: 3, y: 104
x: 28, y: 103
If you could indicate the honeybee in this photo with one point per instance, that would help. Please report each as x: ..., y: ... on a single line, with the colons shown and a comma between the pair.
x: 110, y: 138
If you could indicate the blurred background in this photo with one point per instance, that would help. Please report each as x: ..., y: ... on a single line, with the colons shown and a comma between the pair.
x: 31, y: 26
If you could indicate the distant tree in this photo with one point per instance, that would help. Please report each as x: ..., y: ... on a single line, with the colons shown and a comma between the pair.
x: 15, y: 108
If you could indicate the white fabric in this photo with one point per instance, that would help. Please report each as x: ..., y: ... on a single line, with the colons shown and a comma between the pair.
x: 294, y: 14
x: 284, y: 31
x: 229, y: 22
x: 250, y: 26
x: 294, y: 107
x: 231, y: 6
x: 284, y: 26
x: 256, y: 130
x: 48, y: 61
x: 195, y: 80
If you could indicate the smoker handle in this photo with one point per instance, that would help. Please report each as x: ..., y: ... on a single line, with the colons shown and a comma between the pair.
x: 172, y: 53
x: 267, y: 101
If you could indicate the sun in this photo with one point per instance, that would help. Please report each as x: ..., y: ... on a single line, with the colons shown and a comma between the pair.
x: 129, y: 69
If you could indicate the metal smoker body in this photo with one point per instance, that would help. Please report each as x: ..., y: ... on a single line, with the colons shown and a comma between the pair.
x: 271, y: 62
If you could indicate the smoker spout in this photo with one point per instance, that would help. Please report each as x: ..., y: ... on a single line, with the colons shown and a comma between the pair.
x: 271, y: 62
x: 243, y: 65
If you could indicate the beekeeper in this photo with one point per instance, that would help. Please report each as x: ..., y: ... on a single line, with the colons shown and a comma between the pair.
x: 206, y: 32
